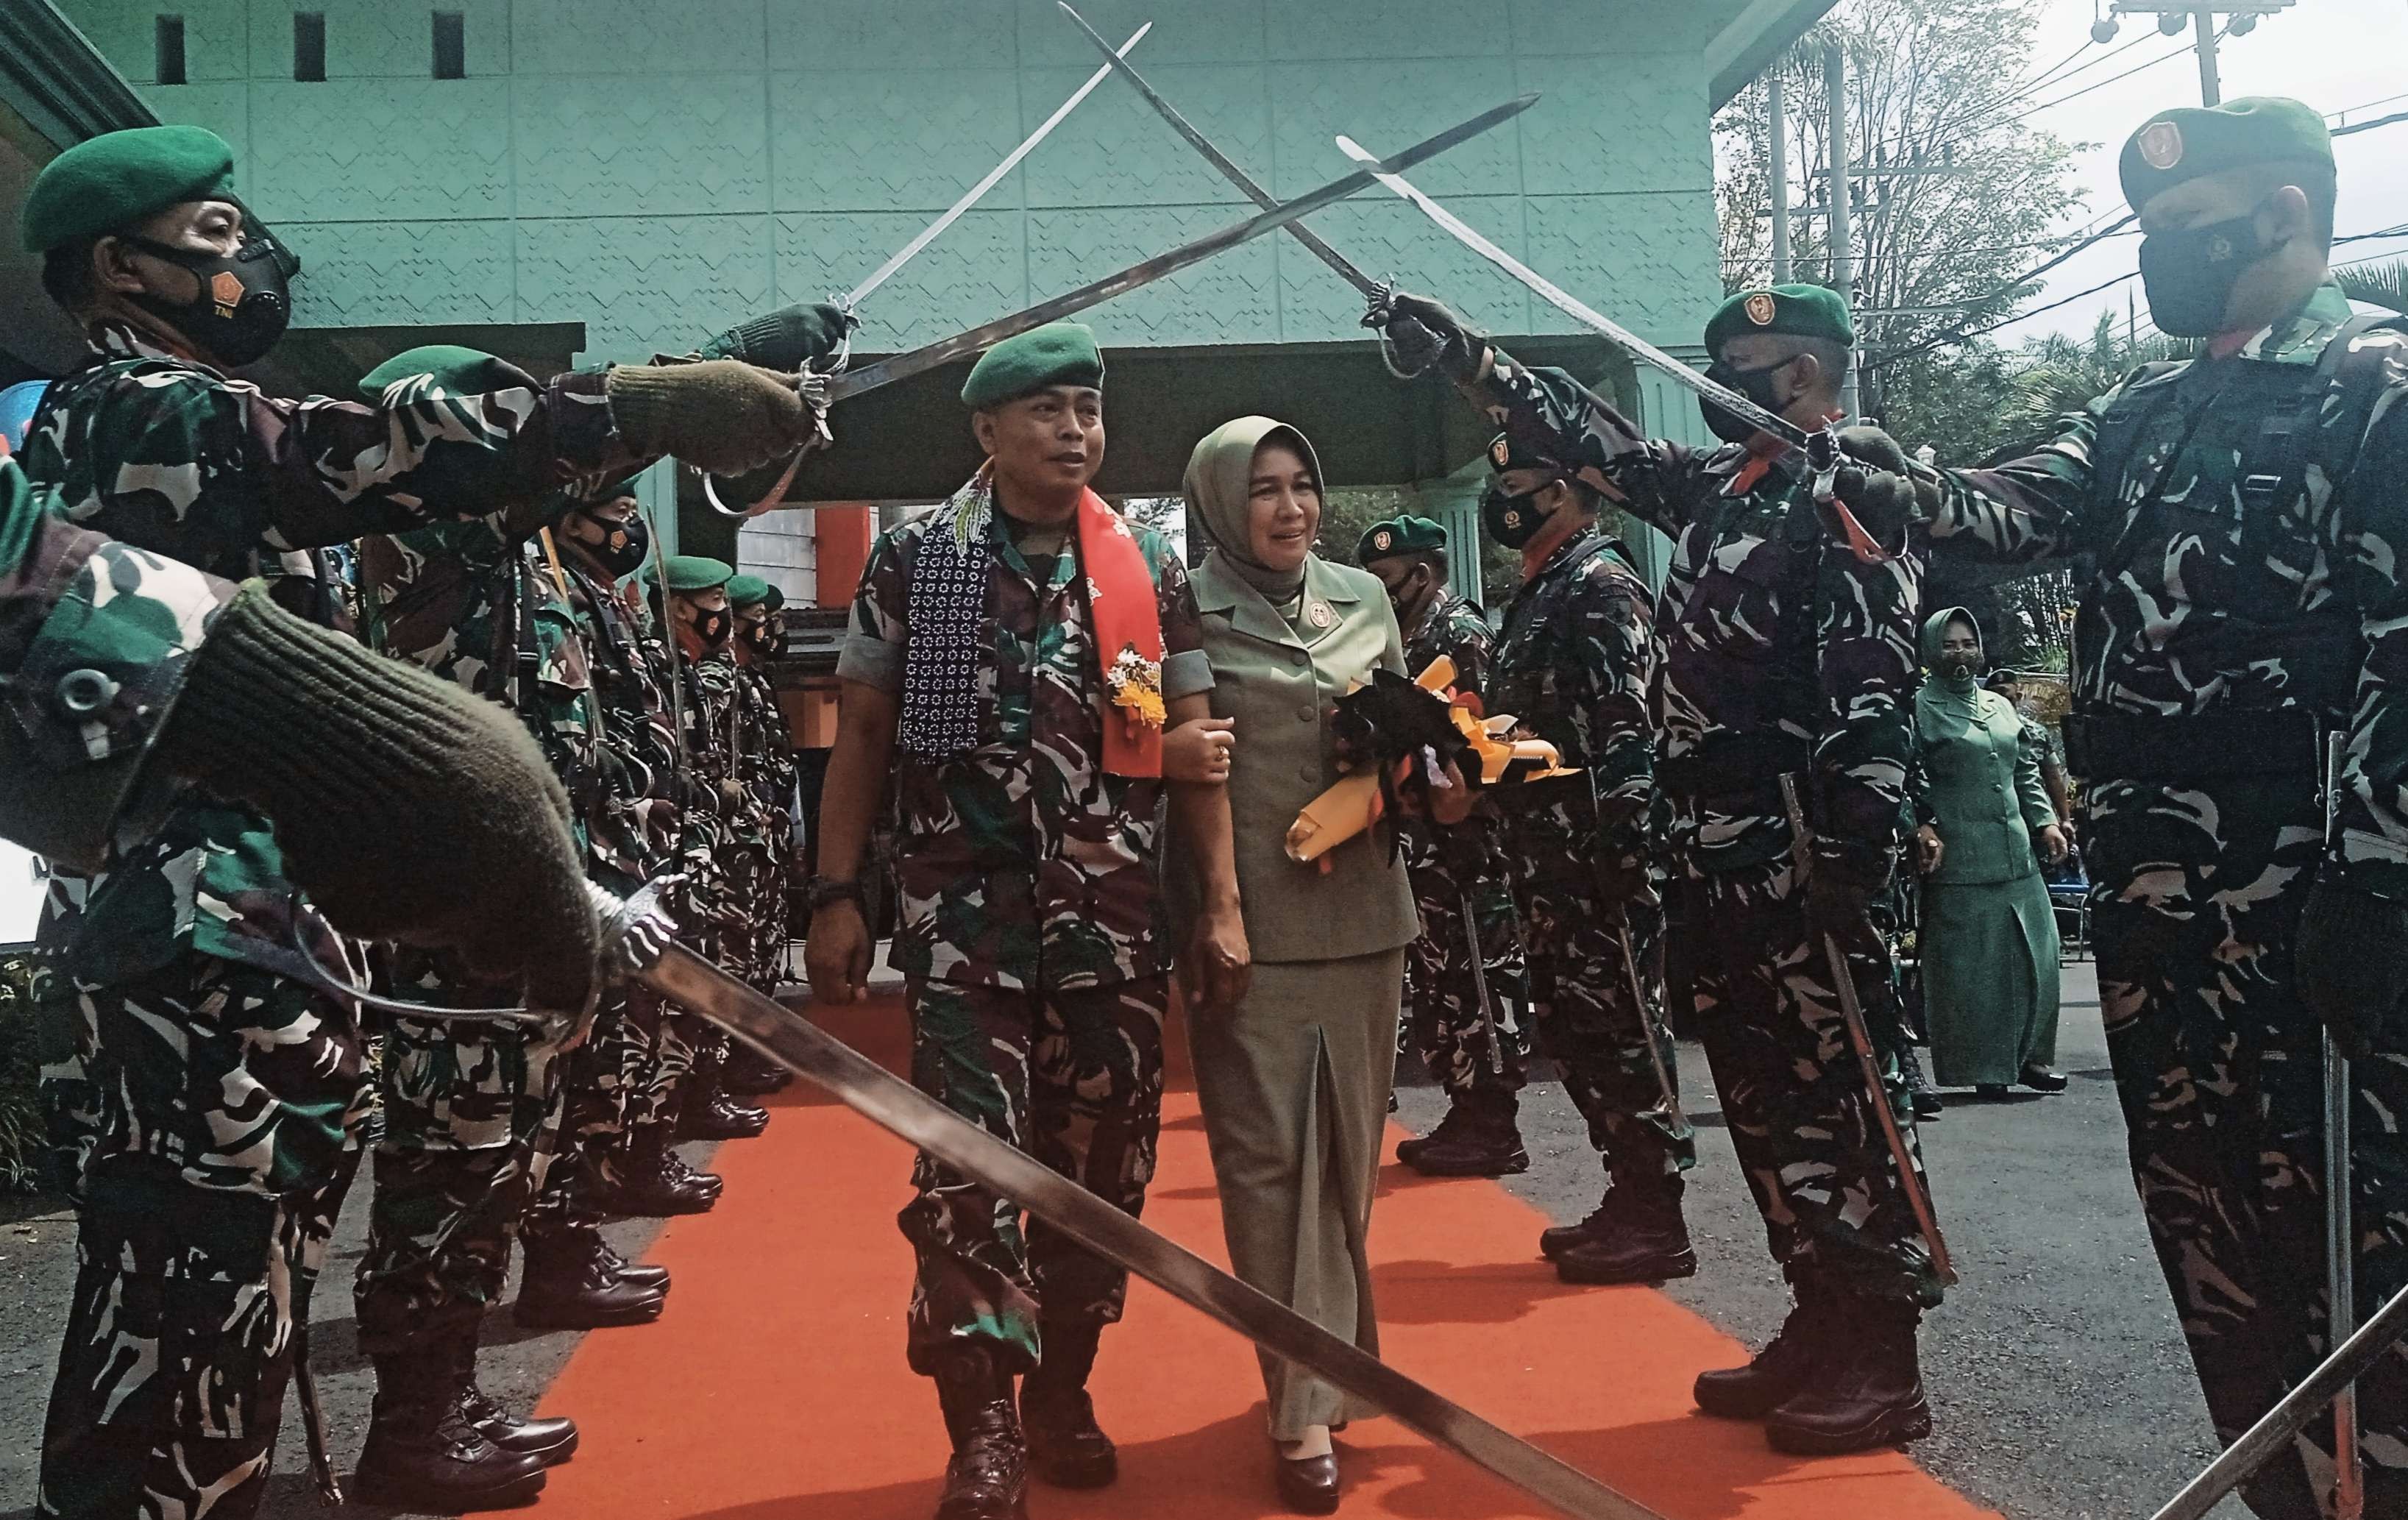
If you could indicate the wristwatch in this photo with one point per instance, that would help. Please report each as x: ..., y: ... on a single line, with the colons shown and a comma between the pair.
x: 825, y: 890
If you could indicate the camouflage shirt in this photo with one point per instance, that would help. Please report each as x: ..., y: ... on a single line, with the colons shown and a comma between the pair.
x: 1452, y: 626
x: 2203, y: 598
x: 1022, y: 863
x: 170, y: 455
x: 632, y: 830
x: 1769, y: 634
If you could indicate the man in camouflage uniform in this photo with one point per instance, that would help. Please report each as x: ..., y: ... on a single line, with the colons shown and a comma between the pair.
x: 152, y: 443
x: 765, y: 762
x: 728, y: 837
x: 1461, y: 881
x: 1033, y: 941
x: 1781, y: 656
x: 2242, y: 610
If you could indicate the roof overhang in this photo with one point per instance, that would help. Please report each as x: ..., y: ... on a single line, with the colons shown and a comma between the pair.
x: 1746, y: 47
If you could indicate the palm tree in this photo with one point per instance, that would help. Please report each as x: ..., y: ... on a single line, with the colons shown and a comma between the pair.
x: 2383, y: 284
x: 2061, y: 374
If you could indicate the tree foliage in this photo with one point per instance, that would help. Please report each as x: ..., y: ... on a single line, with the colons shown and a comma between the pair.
x: 2383, y: 283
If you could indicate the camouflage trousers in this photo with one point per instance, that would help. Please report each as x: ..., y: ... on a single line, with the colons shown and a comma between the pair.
x: 2195, y: 906
x: 179, y: 1343
x: 1464, y: 1044
x: 593, y: 1119
x: 471, y: 1119
x: 1074, y: 1079
x: 1809, y: 1139
x: 1583, y: 1011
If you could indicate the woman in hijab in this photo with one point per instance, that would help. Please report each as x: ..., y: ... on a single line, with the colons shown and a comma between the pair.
x: 1294, y: 1055
x: 1987, y: 937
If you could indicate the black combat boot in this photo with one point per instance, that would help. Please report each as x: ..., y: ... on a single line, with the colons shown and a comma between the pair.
x: 1478, y: 1138
x: 719, y: 1117
x: 1644, y: 1240
x: 1926, y: 1098
x: 647, y: 1179
x: 749, y: 1074
x: 987, y: 1478
x: 423, y: 1453
x: 1065, y: 1445
x: 571, y: 1283
x: 1774, y: 1375
x: 553, y: 1441
x: 1867, y: 1387
x: 1556, y: 1239
x: 642, y: 1274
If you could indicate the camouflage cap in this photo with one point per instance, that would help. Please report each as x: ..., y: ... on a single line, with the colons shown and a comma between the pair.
x: 1796, y: 310
x: 116, y: 179
x: 1057, y: 353
x: 746, y: 590
x: 1405, y: 535
x: 692, y: 572
x: 462, y: 371
x: 2188, y: 141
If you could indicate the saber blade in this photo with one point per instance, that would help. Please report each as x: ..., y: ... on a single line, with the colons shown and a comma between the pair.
x: 1579, y: 311
x: 1479, y: 977
x: 977, y: 193
x: 1682, y: 1129
x: 919, y: 361
x: 895, y: 1106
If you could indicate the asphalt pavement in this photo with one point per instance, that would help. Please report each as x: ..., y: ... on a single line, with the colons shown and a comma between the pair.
x: 2055, y: 1370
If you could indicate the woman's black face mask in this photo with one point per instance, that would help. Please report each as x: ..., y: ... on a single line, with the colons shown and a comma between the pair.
x: 1754, y: 384
x: 2189, y: 275
x: 1510, y: 519
x: 243, y: 303
x: 711, y: 628
x: 623, y: 545
x: 766, y: 639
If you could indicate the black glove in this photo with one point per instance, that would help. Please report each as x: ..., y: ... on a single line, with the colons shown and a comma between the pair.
x: 1422, y: 332
x: 1880, y: 487
x: 408, y: 809
x: 723, y: 415
x: 2353, y: 963
x: 786, y: 339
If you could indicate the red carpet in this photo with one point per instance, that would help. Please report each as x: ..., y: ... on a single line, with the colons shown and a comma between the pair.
x: 774, y: 1388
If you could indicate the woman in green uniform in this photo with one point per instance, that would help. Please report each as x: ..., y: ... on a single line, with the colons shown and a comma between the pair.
x: 1987, y: 938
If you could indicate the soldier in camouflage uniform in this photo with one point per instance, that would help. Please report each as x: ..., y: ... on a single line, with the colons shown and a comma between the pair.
x: 1781, y: 656
x: 1460, y: 880
x: 152, y: 443
x: 2244, y: 522
x: 1033, y: 942
x: 766, y: 759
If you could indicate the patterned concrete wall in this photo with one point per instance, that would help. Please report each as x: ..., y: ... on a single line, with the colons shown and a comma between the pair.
x: 654, y: 168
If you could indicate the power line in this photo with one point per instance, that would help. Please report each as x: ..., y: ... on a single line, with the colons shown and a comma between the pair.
x: 2101, y: 84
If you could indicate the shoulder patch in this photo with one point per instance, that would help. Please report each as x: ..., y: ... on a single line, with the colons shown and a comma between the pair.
x: 2162, y: 145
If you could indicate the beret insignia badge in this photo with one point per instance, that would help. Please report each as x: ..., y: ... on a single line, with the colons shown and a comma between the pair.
x: 1383, y: 539
x: 1760, y: 308
x: 2162, y: 145
x: 1499, y: 452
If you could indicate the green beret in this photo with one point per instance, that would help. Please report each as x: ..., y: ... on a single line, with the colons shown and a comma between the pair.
x: 1796, y: 310
x: 1057, y: 353
x: 2190, y: 141
x: 693, y: 572
x: 745, y: 590
x: 1506, y: 452
x: 1399, y: 536
x: 458, y: 370
x: 117, y: 179
x: 771, y: 595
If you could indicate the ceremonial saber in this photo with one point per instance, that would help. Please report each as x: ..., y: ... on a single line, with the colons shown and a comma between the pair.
x: 911, y: 250
x: 1479, y: 975
x: 1682, y: 1129
x: 2275, y: 1429
x: 639, y: 941
x: 2341, y: 1242
x: 919, y: 361
x: 1852, y: 1014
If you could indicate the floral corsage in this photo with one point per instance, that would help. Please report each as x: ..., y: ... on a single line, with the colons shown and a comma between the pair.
x: 1136, y: 685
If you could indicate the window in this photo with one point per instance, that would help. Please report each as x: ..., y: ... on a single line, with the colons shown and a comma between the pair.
x: 168, y: 47
x: 309, y: 46
x: 450, y: 46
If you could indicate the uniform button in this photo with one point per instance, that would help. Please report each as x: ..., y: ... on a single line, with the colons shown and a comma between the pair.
x: 1308, y: 773
x: 83, y: 693
x: 1300, y: 657
x: 1308, y: 713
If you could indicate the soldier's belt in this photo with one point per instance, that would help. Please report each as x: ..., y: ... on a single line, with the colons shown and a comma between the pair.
x: 638, y: 942
x: 2198, y: 747
x: 1729, y: 763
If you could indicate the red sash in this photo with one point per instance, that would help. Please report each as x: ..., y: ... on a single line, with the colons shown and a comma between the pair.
x: 1128, y: 638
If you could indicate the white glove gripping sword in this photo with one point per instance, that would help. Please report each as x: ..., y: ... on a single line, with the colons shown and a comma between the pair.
x: 815, y: 396
x: 637, y: 939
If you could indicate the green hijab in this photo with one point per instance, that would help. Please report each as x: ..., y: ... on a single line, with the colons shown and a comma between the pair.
x: 1219, y: 492
x: 1935, y: 628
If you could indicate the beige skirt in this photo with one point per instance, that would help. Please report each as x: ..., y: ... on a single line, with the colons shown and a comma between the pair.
x: 1295, y: 1083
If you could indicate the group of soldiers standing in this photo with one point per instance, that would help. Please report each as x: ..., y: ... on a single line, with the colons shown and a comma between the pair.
x: 1739, y: 744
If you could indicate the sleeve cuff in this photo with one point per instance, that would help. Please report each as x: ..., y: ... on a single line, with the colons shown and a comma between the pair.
x: 872, y: 662
x: 1184, y: 674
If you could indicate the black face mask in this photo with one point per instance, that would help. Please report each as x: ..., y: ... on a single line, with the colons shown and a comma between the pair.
x: 711, y: 629
x: 765, y: 639
x: 2189, y: 275
x: 243, y: 305
x: 1754, y: 384
x: 1407, y: 594
x: 622, y: 548
x: 1512, y: 521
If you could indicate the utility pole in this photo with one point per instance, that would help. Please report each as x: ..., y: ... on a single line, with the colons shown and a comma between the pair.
x: 1843, y: 249
x: 2244, y: 16
x: 2204, y: 20
x: 1775, y: 92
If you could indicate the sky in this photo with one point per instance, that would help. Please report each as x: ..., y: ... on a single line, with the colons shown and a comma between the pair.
x: 2331, y: 54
